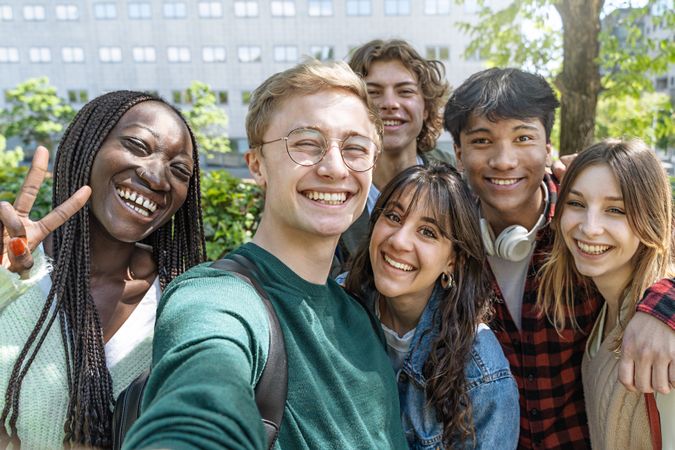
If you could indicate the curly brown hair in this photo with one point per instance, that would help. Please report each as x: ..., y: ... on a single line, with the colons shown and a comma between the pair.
x: 430, y: 76
x: 439, y: 188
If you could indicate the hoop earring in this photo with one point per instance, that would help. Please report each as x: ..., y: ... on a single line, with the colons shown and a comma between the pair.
x: 447, y: 282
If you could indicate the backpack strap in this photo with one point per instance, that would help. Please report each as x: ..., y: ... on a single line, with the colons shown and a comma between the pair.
x: 272, y: 387
x: 654, y: 421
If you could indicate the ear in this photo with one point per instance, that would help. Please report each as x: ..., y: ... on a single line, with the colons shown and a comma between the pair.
x: 549, y: 160
x: 450, y: 267
x: 458, y: 156
x: 255, y: 165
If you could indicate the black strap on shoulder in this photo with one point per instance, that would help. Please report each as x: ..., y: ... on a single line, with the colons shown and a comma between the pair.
x: 272, y: 387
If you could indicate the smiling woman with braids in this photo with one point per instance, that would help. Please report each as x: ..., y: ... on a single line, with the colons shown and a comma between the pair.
x: 423, y: 274
x: 72, y: 340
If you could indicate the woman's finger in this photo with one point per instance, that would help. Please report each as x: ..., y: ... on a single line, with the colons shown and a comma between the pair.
x: 59, y: 215
x: 31, y: 185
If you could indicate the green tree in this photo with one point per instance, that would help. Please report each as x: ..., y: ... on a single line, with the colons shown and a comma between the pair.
x: 648, y: 117
x: 207, y: 119
x: 582, y: 59
x: 35, y: 113
x: 9, y: 158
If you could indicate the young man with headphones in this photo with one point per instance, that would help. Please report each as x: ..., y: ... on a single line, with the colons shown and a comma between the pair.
x: 501, y: 121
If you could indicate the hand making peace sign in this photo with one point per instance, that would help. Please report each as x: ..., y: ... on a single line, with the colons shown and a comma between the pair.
x: 21, y: 235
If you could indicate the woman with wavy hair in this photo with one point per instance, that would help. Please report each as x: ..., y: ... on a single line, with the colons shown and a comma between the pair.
x: 126, y: 221
x: 422, y: 274
x: 614, y: 235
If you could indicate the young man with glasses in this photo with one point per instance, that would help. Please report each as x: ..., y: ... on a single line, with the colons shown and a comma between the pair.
x: 408, y: 92
x: 314, y: 140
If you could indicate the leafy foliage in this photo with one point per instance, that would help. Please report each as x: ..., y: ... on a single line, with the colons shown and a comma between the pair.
x: 207, y: 119
x: 9, y: 158
x: 231, y: 209
x: 35, y: 113
x: 11, y: 179
x: 648, y: 117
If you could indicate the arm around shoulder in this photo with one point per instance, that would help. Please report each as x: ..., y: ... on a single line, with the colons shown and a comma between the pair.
x: 210, y: 347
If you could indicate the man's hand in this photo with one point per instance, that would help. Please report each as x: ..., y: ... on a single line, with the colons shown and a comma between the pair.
x: 647, y: 355
x: 559, y: 166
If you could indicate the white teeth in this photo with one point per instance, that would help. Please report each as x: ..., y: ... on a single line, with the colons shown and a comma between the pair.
x: 334, y: 198
x: 398, y: 265
x: 593, y: 249
x: 391, y: 123
x: 503, y: 181
x: 137, y: 202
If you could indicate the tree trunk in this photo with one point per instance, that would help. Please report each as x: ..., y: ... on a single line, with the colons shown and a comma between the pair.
x: 579, y: 81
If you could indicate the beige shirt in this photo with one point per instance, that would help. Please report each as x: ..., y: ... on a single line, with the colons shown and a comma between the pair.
x: 617, y: 418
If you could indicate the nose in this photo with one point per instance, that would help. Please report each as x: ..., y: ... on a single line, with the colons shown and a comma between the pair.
x: 389, y: 101
x: 332, y: 165
x: 401, y: 240
x: 153, y: 174
x: 591, y: 224
x: 504, y: 157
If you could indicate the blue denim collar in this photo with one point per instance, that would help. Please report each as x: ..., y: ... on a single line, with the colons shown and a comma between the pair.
x: 425, y: 333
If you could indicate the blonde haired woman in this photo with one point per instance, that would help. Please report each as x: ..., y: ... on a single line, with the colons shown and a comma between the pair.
x: 614, y: 235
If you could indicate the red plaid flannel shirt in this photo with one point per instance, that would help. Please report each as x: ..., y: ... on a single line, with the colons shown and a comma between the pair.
x: 546, y: 365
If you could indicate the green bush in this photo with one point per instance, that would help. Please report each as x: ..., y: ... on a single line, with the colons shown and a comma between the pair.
x: 231, y: 207
x: 231, y: 210
x: 11, y: 179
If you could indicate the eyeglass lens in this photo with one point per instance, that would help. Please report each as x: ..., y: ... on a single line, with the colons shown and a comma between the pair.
x: 307, y: 147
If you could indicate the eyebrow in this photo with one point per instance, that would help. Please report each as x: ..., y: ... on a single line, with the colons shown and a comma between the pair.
x: 151, y: 131
x: 609, y: 197
x: 397, y: 85
x: 487, y: 130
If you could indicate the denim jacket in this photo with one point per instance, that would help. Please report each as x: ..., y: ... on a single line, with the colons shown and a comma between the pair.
x: 492, y: 389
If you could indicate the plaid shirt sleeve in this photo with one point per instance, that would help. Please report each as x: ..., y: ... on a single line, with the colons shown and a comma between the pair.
x: 659, y: 301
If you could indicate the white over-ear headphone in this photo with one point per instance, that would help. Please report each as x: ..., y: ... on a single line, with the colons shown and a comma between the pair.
x: 515, y: 242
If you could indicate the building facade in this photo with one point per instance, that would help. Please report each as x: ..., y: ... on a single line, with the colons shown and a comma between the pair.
x: 87, y: 48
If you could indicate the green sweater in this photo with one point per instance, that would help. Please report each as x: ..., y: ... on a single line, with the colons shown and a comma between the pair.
x: 210, y: 347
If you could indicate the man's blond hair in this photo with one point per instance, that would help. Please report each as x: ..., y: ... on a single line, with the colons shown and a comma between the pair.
x: 307, y: 78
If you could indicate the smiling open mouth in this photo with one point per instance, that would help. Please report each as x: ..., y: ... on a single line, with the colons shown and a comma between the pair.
x: 327, y: 198
x: 503, y: 181
x: 137, y: 202
x: 398, y: 265
x: 392, y: 123
x: 593, y: 249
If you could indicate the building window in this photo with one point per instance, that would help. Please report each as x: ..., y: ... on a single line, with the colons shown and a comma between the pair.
x: 9, y: 55
x: 105, y: 11
x: 222, y: 97
x: 282, y: 8
x: 66, y: 12
x: 246, y: 9
x: 661, y: 84
x: 285, y: 53
x: 34, y: 12
x: 320, y: 7
x: 72, y: 54
x: 175, y: 10
x: 78, y: 96
x: 178, y: 54
x: 321, y: 52
x: 249, y: 53
x: 139, y: 10
x: 110, y: 54
x: 144, y: 54
x: 245, y: 97
x: 397, y: 7
x: 210, y: 9
x: 440, y: 52
x: 40, y: 54
x: 213, y: 54
x: 358, y: 7
x: 436, y: 7
x: 6, y: 13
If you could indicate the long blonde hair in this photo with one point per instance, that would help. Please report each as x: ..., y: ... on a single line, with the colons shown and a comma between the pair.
x: 647, y: 198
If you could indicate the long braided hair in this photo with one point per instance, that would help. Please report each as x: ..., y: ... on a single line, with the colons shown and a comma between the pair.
x: 177, y: 245
x: 439, y: 188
